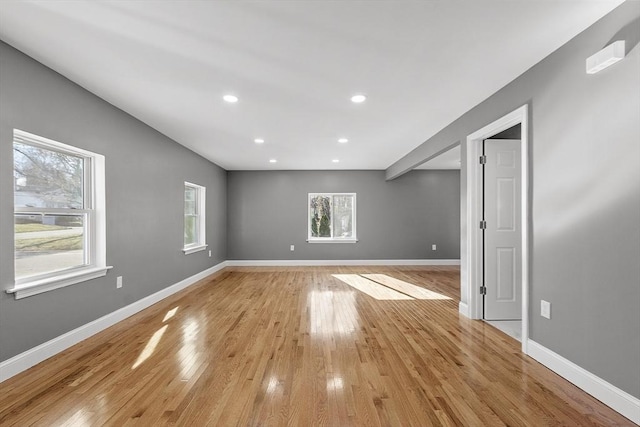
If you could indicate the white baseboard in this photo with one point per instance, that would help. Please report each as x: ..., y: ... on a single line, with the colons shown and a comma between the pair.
x: 463, y: 309
x: 33, y: 356
x: 610, y: 395
x: 300, y: 263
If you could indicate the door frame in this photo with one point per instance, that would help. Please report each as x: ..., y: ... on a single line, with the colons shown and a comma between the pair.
x: 472, y: 277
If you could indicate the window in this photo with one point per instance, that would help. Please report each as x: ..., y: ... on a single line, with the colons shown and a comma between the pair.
x: 194, y: 218
x: 59, y: 214
x: 332, y: 217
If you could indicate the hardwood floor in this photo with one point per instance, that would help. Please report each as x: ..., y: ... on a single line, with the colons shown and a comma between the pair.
x: 335, y: 346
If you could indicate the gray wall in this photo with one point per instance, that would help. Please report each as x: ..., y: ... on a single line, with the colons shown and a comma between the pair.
x: 584, y: 133
x: 395, y: 220
x: 145, y: 172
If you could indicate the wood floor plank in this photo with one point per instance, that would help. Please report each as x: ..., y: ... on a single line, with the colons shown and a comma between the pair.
x: 301, y: 346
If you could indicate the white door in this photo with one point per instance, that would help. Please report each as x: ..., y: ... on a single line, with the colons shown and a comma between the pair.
x: 502, y: 235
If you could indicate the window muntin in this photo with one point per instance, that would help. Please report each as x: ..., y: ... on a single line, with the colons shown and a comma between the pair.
x: 59, y: 214
x: 332, y: 217
x: 194, y: 218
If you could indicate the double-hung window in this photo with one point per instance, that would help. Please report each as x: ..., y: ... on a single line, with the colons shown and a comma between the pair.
x: 194, y: 218
x: 59, y: 214
x: 332, y: 217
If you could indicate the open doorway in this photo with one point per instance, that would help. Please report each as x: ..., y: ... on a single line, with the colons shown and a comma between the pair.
x: 497, y: 223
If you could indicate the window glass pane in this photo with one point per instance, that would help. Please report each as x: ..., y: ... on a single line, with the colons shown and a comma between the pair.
x: 48, y: 243
x: 190, y: 215
x: 342, y: 216
x: 320, y: 208
x: 190, y: 229
x: 46, y: 179
x: 190, y: 197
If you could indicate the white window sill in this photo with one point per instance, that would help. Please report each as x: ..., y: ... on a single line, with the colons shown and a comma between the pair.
x: 194, y: 249
x: 332, y: 240
x: 38, y: 286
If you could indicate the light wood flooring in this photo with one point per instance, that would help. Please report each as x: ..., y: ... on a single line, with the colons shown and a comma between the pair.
x: 313, y: 346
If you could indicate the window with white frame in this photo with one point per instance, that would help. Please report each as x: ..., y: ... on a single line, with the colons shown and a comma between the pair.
x: 332, y: 217
x: 59, y: 214
x: 194, y: 218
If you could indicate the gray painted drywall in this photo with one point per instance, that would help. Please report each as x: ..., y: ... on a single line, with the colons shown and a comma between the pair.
x: 267, y: 212
x: 145, y: 174
x: 584, y: 136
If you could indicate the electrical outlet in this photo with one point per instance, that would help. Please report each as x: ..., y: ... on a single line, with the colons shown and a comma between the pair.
x: 209, y: 254
x: 545, y: 309
x: 293, y: 248
x: 119, y: 282
x: 433, y: 247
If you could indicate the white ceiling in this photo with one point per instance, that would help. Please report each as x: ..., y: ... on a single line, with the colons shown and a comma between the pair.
x: 294, y: 66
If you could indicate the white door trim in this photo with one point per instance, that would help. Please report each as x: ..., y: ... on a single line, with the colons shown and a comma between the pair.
x: 473, y: 274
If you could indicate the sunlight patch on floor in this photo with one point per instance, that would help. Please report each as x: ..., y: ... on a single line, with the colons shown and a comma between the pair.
x: 150, y: 347
x: 371, y: 288
x: 170, y: 314
x: 406, y: 288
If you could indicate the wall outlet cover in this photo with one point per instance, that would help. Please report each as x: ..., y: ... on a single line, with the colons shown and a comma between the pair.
x: 545, y: 309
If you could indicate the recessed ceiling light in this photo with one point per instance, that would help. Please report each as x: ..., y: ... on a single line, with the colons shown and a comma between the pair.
x: 272, y: 160
x: 358, y: 98
x: 230, y: 98
x: 259, y: 141
x: 335, y: 161
x: 343, y: 140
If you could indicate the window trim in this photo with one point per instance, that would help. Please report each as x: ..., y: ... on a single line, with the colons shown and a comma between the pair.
x: 201, y: 204
x: 353, y: 239
x: 94, y: 207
